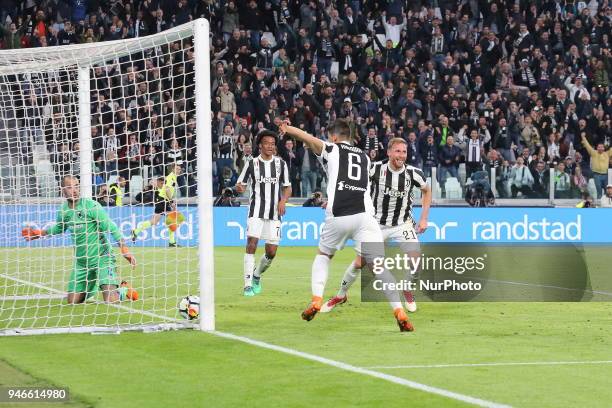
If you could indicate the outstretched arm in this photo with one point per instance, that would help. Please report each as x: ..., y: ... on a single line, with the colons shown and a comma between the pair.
x: 312, y: 142
x: 30, y: 234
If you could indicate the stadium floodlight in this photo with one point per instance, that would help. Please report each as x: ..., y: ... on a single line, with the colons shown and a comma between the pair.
x: 130, y: 118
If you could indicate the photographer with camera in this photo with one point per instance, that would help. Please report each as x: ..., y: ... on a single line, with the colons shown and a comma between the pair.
x: 315, y: 200
x: 479, y: 193
x: 227, y: 199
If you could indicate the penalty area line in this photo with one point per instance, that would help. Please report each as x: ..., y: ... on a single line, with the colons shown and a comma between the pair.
x: 364, y: 371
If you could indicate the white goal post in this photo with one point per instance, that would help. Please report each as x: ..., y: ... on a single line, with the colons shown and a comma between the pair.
x: 126, y: 117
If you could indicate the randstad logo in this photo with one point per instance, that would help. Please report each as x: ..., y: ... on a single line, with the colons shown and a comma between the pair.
x: 184, y: 232
x: 342, y: 186
x: 528, y: 230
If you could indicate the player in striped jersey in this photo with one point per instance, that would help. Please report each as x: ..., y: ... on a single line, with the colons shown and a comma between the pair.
x: 349, y: 214
x: 392, y: 183
x: 268, y: 178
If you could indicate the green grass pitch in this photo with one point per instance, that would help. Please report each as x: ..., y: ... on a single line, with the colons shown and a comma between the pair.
x: 191, y: 368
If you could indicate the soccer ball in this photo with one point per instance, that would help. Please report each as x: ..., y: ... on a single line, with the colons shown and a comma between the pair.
x: 189, y: 307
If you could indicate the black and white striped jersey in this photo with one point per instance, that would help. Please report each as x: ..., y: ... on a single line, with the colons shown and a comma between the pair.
x: 226, y: 146
x: 392, y: 192
x: 348, y: 180
x: 266, y: 180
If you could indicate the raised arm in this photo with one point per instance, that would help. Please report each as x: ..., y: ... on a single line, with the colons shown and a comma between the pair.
x: 312, y: 142
x: 588, y: 146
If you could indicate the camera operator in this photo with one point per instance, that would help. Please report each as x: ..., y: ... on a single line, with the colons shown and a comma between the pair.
x: 479, y: 193
x: 227, y: 199
x: 315, y: 200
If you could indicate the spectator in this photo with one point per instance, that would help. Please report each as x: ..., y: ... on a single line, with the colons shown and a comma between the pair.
x: 116, y: 191
x: 579, y: 183
x: 225, y: 146
x: 309, y: 169
x: 540, y: 70
x: 562, y: 182
x: 289, y: 154
x: 315, y: 200
x: 521, y: 179
x: 429, y: 155
x: 541, y: 177
x: 474, y: 154
x: 102, y: 196
x: 600, y: 161
x: 449, y: 159
x: 228, y: 103
x: 606, y: 200
x: 132, y: 156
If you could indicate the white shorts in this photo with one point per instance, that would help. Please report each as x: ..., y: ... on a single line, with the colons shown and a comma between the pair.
x: 358, y: 227
x: 270, y: 230
x: 404, y: 235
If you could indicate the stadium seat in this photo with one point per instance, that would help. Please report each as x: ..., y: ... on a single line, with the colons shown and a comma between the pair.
x: 437, y: 193
x: 462, y: 173
x: 45, y: 179
x: 591, y: 188
x: 452, y: 188
x: 136, y: 185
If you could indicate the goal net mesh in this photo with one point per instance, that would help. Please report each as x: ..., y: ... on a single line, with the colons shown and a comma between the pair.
x: 141, y: 109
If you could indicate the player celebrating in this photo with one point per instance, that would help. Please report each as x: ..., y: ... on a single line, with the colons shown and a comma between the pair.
x: 94, y: 261
x: 392, y: 184
x: 268, y: 177
x: 164, y: 203
x: 349, y: 212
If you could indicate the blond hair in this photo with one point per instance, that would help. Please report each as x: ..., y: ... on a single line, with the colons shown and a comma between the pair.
x: 395, y: 141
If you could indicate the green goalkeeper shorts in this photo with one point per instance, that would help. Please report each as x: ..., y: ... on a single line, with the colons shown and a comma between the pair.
x: 87, y: 278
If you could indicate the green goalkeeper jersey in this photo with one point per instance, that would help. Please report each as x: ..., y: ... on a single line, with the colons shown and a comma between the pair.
x: 89, y: 225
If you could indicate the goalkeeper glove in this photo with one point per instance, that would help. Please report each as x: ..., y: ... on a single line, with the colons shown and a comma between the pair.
x: 31, y: 234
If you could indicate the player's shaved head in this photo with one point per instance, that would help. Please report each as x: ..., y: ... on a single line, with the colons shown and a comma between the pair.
x: 70, y: 188
x: 340, y: 130
x: 68, y: 179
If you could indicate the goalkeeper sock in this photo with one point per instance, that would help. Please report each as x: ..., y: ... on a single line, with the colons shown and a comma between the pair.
x: 143, y: 226
x: 171, y: 238
x: 249, y: 265
x: 264, y: 264
x: 350, y: 275
x: 320, y: 271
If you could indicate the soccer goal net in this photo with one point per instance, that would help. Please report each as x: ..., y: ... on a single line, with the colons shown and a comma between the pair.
x: 103, y: 142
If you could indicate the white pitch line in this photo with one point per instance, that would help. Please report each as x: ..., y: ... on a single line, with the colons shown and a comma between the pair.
x: 129, y: 309
x: 364, y: 371
x: 527, y: 363
x: 9, y: 298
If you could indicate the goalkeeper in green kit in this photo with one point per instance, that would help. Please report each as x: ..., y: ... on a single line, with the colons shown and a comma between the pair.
x: 94, y: 266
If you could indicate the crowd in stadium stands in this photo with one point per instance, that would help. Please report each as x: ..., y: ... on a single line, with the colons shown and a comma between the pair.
x: 519, y: 86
